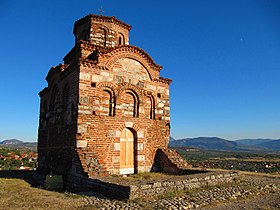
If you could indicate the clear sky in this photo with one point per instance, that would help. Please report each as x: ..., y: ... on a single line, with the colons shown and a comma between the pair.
x: 222, y: 55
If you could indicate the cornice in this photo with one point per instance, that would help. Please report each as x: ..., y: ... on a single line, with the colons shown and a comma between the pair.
x: 108, y: 52
x: 101, y: 18
x: 90, y: 64
x: 163, y: 80
x: 91, y: 47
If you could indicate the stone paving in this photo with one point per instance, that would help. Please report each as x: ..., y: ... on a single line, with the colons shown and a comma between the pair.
x: 243, y: 188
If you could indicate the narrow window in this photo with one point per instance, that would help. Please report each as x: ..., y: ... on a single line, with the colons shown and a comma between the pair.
x: 93, y: 84
x: 105, y: 38
x: 100, y: 37
x: 107, y: 104
x: 152, y: 108
x: 120, y: 41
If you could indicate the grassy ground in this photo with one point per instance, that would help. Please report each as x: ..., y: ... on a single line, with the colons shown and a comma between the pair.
x: 17, y: 194
x: 276, y: 175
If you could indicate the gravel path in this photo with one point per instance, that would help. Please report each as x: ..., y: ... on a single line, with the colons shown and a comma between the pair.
x: 248, y: 192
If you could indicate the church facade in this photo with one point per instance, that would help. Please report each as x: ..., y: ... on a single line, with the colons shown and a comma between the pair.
x: 106, y: 109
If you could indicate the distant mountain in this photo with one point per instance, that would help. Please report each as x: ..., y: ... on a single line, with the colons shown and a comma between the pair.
x: 15, y: 143
x: 272, y: 145
x: 214, y: 143
x: 11, y: 142
x: 253, y: 141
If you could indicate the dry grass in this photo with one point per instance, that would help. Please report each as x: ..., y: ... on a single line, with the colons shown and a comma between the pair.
x: 148, y: 176
x: 277, y: 175
x: 17, y: 194
x: 260, y: 174
x: 137, y: 178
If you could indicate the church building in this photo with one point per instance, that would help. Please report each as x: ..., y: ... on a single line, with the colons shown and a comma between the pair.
x: 106, y: 109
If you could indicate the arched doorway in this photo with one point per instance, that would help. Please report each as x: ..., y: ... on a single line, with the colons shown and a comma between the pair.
x: 127, y: 152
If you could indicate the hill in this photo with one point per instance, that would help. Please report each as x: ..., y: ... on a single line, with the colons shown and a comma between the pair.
x: 272, y: 145
x: 15, y: 143
x: 215, y: 143
x: 253, y: 141
x: 11, y: 142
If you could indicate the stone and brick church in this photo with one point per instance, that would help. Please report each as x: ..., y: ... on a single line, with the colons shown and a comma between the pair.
x: 106, y: 108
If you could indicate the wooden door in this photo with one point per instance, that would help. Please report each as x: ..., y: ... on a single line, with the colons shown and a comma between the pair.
x: 127, y: 152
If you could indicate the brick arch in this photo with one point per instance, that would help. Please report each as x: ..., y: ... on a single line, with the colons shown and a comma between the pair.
x: 106, y: 84
x: 126, y: 86
x: 126, y: 106
x: 102, y: 27
x: 129, y: 125
x: 135, y: 53
x: 149, y: 93
x: 135, y: 90
x: 141, y: 54
x: 151, y: 106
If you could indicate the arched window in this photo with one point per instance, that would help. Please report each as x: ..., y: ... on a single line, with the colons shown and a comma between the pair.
x: 107, y: 103
x: 100, y: 37
x: 150, y: 107
x: 121, y: 40
x: 129, y: 104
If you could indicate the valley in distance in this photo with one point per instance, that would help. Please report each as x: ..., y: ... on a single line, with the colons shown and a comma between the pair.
x: 254, y: 155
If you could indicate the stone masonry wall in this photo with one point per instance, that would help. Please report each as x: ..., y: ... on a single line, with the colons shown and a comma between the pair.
x: 123, y: 97
x: 132, y: 191
x: 58, y: 120
x: 104, y: 87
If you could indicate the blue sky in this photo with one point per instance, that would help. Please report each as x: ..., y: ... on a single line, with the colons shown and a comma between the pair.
x: 223, y: 57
